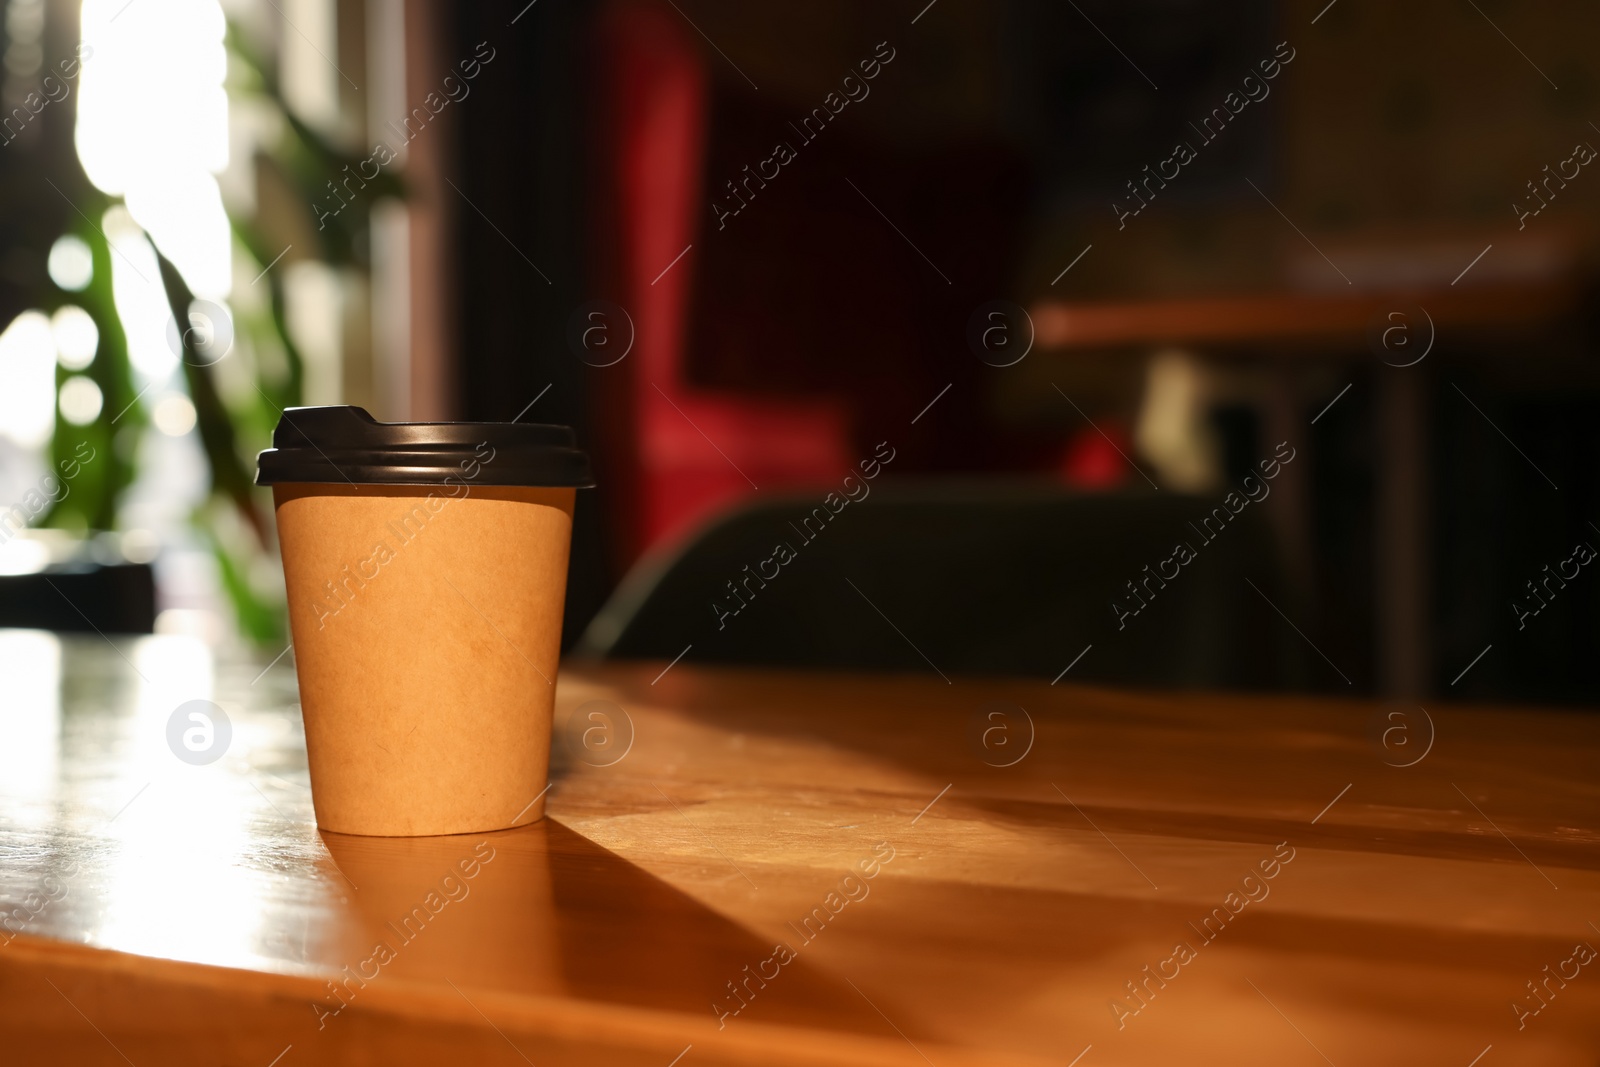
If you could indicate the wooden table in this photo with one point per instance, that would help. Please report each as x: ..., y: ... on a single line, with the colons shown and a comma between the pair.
x: 162, y: 913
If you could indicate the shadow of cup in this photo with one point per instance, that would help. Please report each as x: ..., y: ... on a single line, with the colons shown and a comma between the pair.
x: 476, y: 909
x: 542, y: 910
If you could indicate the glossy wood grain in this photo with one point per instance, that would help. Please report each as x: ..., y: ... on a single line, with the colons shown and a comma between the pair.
x: 157, y: 912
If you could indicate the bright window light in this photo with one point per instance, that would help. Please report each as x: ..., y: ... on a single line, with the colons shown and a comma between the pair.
x: 80, y: 400
x: 28, y: 369
x: 71, y: 264
x: 141, y: 302
x: 77, y: 337
x: 174, y: 415
x: 153, y: 126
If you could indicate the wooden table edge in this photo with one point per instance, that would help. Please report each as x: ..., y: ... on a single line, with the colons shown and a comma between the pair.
x: 622, y: 1028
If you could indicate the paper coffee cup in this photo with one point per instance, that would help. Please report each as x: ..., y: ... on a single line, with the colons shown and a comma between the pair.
x: 426, y: 566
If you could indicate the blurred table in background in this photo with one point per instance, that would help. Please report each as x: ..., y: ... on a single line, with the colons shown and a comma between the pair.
x: 1032, y: 851
x: 1367, y: 326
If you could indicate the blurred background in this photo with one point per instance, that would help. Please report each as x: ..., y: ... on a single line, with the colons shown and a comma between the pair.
x: 1038, y: 293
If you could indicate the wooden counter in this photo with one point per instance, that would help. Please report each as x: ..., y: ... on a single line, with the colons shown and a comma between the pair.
x: 1331, y: 906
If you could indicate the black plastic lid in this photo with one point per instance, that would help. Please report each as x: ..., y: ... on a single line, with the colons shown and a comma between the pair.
x: 346, y: 445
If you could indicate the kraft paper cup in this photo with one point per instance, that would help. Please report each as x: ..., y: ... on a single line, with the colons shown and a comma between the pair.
x: 425, y: 614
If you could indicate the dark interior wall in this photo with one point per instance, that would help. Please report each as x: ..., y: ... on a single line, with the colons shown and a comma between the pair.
x: 520, y: 252
x: 1515, y: 492
x: 36, y: 153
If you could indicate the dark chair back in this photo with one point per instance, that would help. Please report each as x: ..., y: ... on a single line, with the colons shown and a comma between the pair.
x: 975, y: 579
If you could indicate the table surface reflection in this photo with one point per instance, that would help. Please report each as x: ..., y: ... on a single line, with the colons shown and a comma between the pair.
x: 986, y: 871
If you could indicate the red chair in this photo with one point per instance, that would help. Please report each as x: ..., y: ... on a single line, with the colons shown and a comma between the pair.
x: 678, y: 452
